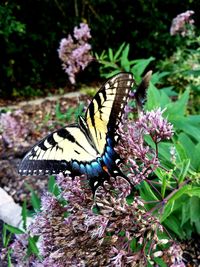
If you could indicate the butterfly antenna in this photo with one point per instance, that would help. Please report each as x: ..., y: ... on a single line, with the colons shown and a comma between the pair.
x: 141, y: 91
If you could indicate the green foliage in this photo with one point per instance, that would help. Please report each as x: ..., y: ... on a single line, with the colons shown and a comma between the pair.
x: 72, y: 113
x: 183, y: 68
x: 177, y: 191
x: 114, y: 62
x: 29, y: 48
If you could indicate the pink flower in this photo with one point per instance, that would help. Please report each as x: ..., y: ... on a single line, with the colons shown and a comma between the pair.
x: 180, y: 23
x: 75, y: 52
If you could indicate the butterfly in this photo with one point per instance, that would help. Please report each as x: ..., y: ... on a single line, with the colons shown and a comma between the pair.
x: 85, y: 147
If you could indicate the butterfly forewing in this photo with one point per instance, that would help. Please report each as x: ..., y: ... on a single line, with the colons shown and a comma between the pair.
x: 55, y: 153
x: 107, y: 107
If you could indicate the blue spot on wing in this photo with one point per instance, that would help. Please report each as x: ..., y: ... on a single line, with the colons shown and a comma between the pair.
x: 108, y: 161
x: 110, y: 151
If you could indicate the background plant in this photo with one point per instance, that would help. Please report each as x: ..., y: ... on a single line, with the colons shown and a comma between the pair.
x: 183, y: 65
x: 33, y: 54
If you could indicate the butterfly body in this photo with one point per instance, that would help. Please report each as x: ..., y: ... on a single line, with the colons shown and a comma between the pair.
x: 86, y: 147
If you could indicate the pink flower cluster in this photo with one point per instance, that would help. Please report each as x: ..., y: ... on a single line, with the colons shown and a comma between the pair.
x: 75, y: 52
x: 181, y: 22
x: 76, y: 229
x: 12, y: 130
x: 140, y: 158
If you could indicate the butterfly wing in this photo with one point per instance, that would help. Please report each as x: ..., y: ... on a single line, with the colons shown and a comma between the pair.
x: 61, y: 151
x: 107, y: 107
x: 86, y: 147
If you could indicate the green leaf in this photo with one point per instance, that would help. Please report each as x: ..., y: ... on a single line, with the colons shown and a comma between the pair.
x: 184, y: 168
x: 35, y: 200
x: 52, y: 186
x: 193, y: 191
x: 117, y: 54
x: 180, y: 152
x: 133, y: 244
x: 163, y: 185
x: 194, y: 209
x: 6, y: 236
x: 187, y: 143
x: 182, y: 123
x: 185, y: 216
x: 140, y: 66
x: 153, y: 96
x: 196, y: 158
x: 169, y: 207
x: 178, y: 108
x: 110, y: 54
x: 124, y: 59
x: 32, y: 246
x: 24, y: 215
x: 174, y: 224
x: 157, y: 76
x: 13, y: 230
x: 146, y: 192
x: 160, y: 262
x: 9, y: 258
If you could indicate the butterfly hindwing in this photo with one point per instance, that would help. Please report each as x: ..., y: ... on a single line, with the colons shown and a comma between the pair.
x: 107, y: 107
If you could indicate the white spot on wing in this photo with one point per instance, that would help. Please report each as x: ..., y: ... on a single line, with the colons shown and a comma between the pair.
x: 107, y: 86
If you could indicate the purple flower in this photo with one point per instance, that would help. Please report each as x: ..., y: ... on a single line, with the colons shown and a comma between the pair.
x: 140, y: 158
x: 153, y: 124
x: 180, y: 23
x: 75, y: 52
x: 12, y: 128
x: 175, y: 253
x: 82, y: 33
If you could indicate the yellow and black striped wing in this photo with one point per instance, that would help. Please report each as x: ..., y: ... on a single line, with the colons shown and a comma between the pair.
x: 107, y: 107
x: 61, y: 151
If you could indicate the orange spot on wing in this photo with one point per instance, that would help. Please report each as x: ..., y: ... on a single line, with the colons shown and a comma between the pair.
x: 105, y: 168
